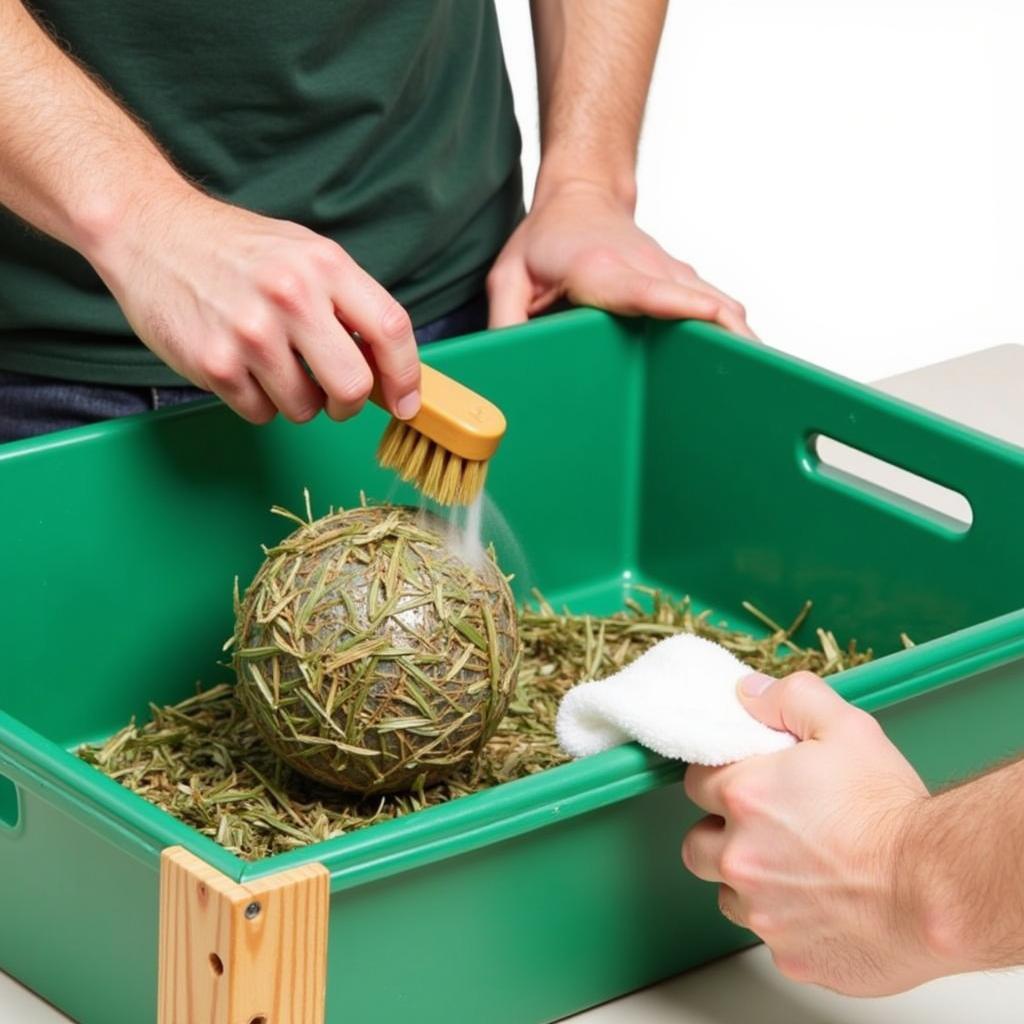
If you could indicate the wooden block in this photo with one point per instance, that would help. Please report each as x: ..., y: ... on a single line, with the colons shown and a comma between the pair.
x: 241, y: 954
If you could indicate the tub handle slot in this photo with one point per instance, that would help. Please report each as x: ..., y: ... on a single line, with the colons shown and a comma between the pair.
x: 883, y: 482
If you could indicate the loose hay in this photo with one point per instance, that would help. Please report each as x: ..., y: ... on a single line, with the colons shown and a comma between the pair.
x: 204, y: 762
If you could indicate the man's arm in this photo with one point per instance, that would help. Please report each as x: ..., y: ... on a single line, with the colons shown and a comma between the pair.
x: 71, y: 161
x: 834, y: 853
x: 594, y: 64
x: 962, y: 871
x: 232, y: 300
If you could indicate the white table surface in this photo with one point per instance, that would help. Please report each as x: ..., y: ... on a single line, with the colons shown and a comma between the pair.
x: 984, y: 391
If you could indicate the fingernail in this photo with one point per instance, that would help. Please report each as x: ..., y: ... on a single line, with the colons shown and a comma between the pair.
x: 408, y: 405
x: 755, y: 684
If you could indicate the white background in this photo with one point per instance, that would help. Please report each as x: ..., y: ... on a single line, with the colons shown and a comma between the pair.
x: 851, y: 171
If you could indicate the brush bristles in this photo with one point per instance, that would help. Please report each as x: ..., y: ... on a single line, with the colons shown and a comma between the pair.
x: 438, y: 473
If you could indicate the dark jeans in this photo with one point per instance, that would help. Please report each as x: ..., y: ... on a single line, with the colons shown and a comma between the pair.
x: 31, y: 405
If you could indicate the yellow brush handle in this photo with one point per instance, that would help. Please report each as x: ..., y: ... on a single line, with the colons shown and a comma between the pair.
x: 453, y: 416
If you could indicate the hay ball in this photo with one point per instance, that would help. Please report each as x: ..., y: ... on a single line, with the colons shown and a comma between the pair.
x: 373, y: 656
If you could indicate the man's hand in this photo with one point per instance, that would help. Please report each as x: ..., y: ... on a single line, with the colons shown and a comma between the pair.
x: 580, y: 242
x: 237, y: 302
x: 810, y: 845
x: 233, y: 301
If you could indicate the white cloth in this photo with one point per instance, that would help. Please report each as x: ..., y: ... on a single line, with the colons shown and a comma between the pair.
x: 678, y: 698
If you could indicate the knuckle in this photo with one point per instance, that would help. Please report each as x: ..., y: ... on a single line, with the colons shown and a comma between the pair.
x: 739, y: 799
x: 303, y: 412
x: 339, y: 412
x: 354, y: 388
x: 340, y: 409
x: 707, y: 307
x: 406, y: 377
x: 254, y: 326
x: 395, y: 324
x: 800, y: 684
x: 293, y: 228
x: 735, y: 868
x: 283, y: 286
x: 738, y: 309
x: 221, y: 369
x: 864, y: 725
x: 686, y: 268
x: 261, y: 415
x: 503, y: 274
x: 803, y: 678
x: 329, y: 253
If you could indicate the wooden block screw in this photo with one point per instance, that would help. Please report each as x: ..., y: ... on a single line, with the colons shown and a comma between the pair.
x: 241, y: 954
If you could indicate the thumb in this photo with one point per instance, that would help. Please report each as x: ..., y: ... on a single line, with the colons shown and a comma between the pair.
x: 509, y: 291
x: 802, y: 704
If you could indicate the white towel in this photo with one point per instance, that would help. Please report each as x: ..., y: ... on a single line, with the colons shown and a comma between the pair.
x: 678, y: 698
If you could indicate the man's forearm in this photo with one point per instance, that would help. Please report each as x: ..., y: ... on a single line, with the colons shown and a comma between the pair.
x: 594, y: 64
x: 242, y: 305
x: 962, y: 871
x: 71, y: 160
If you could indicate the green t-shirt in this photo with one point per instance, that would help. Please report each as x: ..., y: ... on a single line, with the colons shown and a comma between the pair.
x: 386, y: 126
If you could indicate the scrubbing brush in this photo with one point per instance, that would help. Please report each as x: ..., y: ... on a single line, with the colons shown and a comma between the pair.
x: 444, y: 449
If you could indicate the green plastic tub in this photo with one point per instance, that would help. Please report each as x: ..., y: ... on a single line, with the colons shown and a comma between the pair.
x: 638, y: 452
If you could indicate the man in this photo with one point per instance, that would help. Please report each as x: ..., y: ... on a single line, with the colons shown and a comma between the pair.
x: 244, y: 192
x: 833, y: 852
